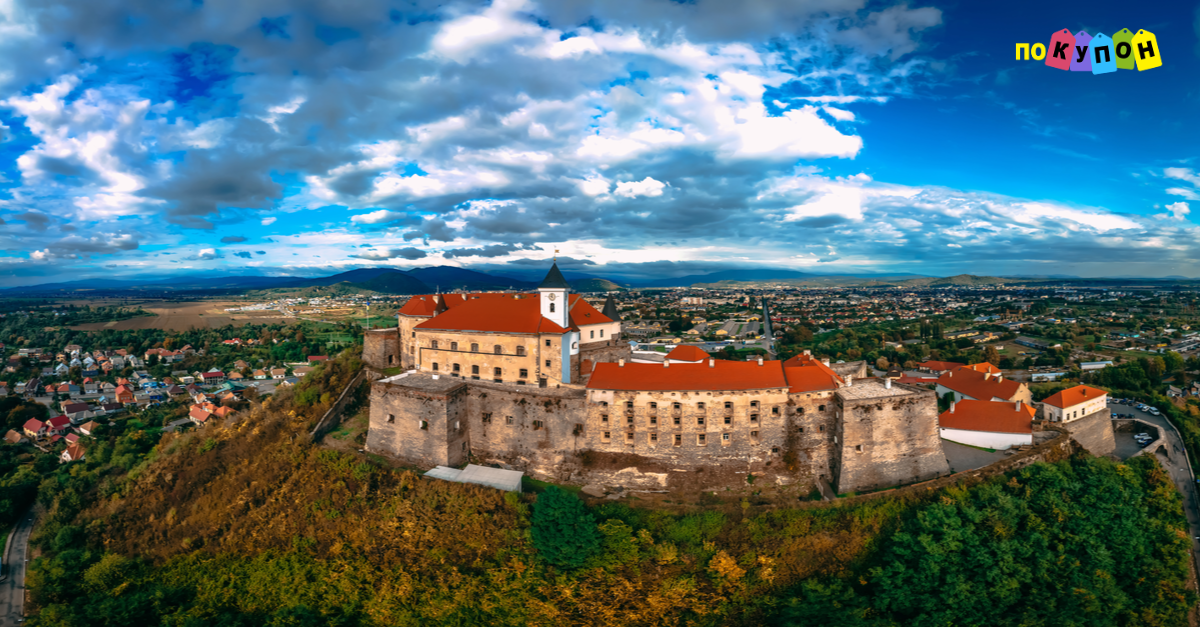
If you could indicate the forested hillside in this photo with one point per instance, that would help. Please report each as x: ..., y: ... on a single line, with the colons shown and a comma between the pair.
x: 246, y: 523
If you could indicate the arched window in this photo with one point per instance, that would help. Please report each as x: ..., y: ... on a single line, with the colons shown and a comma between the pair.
x: 520, y: 351
x: 551, y: 307
x: 474, y: 348
x: 496, y: 349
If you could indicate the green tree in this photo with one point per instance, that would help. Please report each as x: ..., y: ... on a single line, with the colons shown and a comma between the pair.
x: 564, y: 532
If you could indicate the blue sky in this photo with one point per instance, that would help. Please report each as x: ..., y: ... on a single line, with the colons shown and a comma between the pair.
x: 640, y: 139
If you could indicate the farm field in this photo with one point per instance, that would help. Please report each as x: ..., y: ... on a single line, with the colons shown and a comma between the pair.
x: 186, y: 315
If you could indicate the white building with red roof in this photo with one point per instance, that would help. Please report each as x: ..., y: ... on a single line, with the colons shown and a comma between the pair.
x: 551, y: 337
x: 1074, y: 403
x: 989, y: 424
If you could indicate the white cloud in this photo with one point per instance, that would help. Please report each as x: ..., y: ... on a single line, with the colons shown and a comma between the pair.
x: 269, y: 221
x: 841, y: 115
x: 646, y: 187
x: 1175, y: 211
x: 376, y: 217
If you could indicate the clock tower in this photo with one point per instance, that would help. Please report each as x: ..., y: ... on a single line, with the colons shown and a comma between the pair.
x: 555, y: 292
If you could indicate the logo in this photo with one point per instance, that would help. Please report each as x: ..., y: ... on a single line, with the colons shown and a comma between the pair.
x: 1101, y: 54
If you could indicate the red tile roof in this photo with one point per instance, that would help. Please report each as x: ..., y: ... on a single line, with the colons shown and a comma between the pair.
x: 722, y: 375
x: 198, y: 414
x: 687, y: 353
x: 519, y: 313
x: 33, y: 424
x: 74, y: 452
x: 58, y: 422
x: 806, y: 373
x: 994, y: 417
x: 979, y: 385
x: 1073, y: 396
x: 984, y: 367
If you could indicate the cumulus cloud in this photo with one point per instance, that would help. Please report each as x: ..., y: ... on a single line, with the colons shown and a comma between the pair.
x: 205, y: 254
x: 243, y: 254
x: 1176, y: 211
x: 78, y: 247
x: 232, y: 239
x: 377, y: 217
x: 645, y: 187
x: 392, y: 253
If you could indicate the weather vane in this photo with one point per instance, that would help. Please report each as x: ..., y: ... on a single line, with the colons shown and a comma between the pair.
x: 555, y: 254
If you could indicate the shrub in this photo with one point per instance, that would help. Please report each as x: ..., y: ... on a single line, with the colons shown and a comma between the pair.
x: 564, y: 532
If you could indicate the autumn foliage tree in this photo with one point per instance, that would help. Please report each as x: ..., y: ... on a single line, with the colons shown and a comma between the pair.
x: 564, y: 532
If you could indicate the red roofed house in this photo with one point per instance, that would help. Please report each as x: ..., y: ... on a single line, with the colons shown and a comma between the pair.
x: 990, y: 424
x: 123, y: 394
x: 312, y: 359
x: 199, y: 415
x: 88, y: 427
x: 1074, y: 403
x: 212, y: 378
x: 58, y: 425
x: 74, y: 453
x: 540, y: 338
x: 984, y: 367
x: 34, y: 428
x: 968, y: 384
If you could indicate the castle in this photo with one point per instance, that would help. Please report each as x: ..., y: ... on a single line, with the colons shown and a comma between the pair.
x: 544, y: 383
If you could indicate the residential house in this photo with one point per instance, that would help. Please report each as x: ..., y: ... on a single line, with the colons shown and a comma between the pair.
x: 1074, y: 403
x: 74, y: 453
x: 240, y: 365
x: 213, y: 378
x: 34, y: 428
x: 1174, y: 392
x: 300, y: 371
x: 278, y: 373
x: 88, y: 427
x: 199, y: 415
x: 12, y: 437
x: 260, y: 375
x: 968, y: 384
x: 58, y: 425
x: 90, y: 387
x: 312, y: 359
x: 108, y: 389
x: 71, y: 438
x: 124, y: 394
x: 76, y: 411
x: 112, y: 408
x: 988, y: 424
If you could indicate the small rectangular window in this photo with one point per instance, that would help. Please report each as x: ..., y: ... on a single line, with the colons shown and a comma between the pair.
x: 728, y: 405
x: 601, y: 332
x: 508, y: 420
x: 753, y: 418
x: 486, y: 418
x: 678, y: 440
x: 700, y: 406
x: 524, y: 373
x: 537, y: 424
x: 435, y: 366
x: 391, y: 419
x: 699, y: 420
x: 858, y: 448
x: 629, y: 437
x: 628, y: 420
x: 628, y: 404
x: 423, y: 424
x: 604, y: 418
x: 607, y: 436
x: 653, y: 405
x: 653, y: 420
x: 654, y: 438
x: 728, y: 420
x: 676, y: 406
x: 592, y: 336
x: 753, y: 404
x: 547, y: 363
x: 700, y: 439
x: 821, y: 428
x: 724, y: 438
x: 547, y: 342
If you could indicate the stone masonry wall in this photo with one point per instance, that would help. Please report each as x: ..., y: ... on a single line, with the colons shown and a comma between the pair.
x: 889, y: 440
x: 426, y: 427
x: 1093, y: 432
x: 381, y: 348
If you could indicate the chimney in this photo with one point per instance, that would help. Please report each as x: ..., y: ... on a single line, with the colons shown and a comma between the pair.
x: 952, y: 407
x: 760, y: 360
x: 807, y: 352
x: 1000, y: 377
x: 666, y: 363
x: 620, y: 363
x: 887, y: 384
x: 825, y: 361
x: 849, y: 380
x: 1018, y: 405
x: 987, y: 375
x: 712, y: 363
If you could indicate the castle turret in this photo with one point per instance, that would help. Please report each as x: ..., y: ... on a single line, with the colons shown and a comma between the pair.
x: 554, y: 291
x: 610, y: 309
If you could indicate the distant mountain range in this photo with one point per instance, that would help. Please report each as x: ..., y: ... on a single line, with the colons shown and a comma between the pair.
x: 449, y: 278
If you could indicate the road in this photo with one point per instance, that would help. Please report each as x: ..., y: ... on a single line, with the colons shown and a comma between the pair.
x: 1172, y: 458
x: 12, y: 589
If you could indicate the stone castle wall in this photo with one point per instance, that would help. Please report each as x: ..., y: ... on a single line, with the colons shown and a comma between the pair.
x: 1093, y: 432
x: 888, y: 440
x: 381, y: 349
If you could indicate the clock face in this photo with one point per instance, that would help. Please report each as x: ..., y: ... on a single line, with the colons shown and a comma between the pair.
x: 552, y: 296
